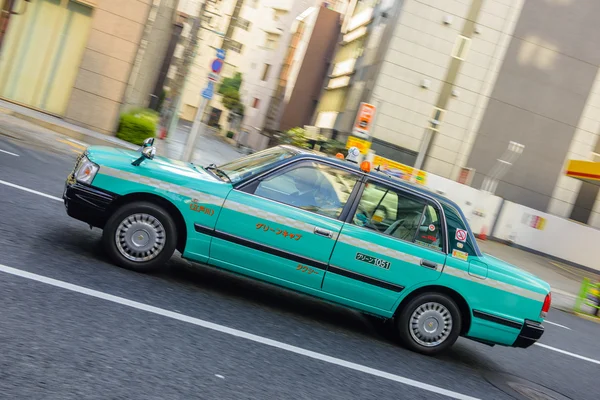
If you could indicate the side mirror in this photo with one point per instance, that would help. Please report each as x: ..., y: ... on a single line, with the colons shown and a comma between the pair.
x: 148, y: 151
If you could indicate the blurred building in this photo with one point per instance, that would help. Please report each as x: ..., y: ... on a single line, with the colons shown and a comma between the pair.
x: 255, y: 34
x: 85, y: 60
x: 314, y: 37
x: 488, y: 72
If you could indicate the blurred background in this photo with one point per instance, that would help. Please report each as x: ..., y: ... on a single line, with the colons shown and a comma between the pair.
x: 449, y: 87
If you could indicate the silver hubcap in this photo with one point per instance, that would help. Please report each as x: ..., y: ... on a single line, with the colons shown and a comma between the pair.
x: 140, y: 237
x: 430, y: 324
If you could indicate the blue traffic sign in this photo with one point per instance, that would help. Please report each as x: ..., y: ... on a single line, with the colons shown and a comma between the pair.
x: 216, y: 65
x: 207, y: 93
x: 220, y: 54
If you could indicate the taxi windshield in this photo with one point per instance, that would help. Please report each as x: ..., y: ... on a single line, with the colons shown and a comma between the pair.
x: 254, y: 163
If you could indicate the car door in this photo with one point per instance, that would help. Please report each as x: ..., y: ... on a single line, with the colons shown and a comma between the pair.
x: 285, y: 224
x: 392, y: 241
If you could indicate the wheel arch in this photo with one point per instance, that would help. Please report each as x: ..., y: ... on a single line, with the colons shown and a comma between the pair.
x: 165, y: 203
x: 460, y: 301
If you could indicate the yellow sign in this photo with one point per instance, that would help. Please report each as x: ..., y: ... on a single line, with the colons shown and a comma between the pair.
x: 362, y: 145
x: 400, y: 170
x: 461, y: 255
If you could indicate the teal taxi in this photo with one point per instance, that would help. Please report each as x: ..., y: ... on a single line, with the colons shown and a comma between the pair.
x: 318, y: 225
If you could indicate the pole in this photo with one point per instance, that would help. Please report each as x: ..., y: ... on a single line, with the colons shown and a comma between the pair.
x: 190, y: 146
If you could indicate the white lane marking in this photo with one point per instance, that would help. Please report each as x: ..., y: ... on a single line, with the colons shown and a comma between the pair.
x: 568, y: 353
x: 30, y: 190
x: 555, y: 324
x: 233, y: 332
x: 8, y: 152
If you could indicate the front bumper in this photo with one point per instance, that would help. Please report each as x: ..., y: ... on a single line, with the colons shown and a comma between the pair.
x: 530, y: 333
x: 86, y: 203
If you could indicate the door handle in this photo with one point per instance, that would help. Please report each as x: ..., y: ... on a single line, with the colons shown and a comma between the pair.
x: 323, y: 232
x: 428, y: 264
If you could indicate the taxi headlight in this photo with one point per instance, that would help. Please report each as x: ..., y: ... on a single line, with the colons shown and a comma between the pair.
x: 86, y: 171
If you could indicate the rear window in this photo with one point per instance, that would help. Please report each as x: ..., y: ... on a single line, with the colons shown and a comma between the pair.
x: 455, y: 223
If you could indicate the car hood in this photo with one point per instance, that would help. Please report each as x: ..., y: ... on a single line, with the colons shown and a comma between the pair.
x: 515, y: 272
x: 163, y: 168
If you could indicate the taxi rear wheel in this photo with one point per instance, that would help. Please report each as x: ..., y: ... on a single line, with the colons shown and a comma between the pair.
x: 140, y: 236
x: 429, y: 324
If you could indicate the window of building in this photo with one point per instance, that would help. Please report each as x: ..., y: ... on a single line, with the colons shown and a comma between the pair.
x: 266, y: 72
x: 255, y: 102
x: 394, y: 213
x: 312, y: 186
x: 243, y: 24
x: 271, y: 42
x: 235, y: 46
x: 461, y: 47
x: 278, y: 14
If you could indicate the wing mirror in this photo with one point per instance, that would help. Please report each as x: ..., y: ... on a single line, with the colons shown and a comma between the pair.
x: 148, y: 151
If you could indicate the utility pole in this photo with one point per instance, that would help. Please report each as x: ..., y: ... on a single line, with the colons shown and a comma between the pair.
x: 198, y: 126
x: 171, y: 109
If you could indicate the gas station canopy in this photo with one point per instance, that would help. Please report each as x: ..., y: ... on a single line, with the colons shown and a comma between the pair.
x: 587, y: 171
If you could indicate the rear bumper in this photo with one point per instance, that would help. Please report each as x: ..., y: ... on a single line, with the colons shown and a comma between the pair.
x: 86, y: 203
x: 530, y: 333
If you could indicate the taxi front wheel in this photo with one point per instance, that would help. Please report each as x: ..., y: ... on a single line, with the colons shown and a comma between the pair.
x: 140, y: 236
x: 430, y: 323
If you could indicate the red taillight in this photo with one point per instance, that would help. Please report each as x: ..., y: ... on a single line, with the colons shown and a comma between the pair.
x: 546, y: 306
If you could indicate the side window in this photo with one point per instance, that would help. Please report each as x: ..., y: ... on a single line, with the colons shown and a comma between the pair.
x: 391, y: 212
x: 430, y: 233
x: 311, y: 186
x: 455, y: 222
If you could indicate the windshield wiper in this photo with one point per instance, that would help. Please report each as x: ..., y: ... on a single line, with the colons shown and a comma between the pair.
x: 219, y: 171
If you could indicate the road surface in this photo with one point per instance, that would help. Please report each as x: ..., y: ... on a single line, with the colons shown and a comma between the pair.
x: 74, y: 326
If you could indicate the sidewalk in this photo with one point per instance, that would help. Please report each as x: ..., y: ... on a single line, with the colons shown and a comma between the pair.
x: 210, y: 148
x: 46, y: 131
x: 17, y: 121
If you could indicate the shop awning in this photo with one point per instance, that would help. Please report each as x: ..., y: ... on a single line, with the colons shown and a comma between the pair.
x: 588, y: 171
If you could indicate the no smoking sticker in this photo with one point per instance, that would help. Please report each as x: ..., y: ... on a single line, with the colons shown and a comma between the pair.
x: 461, y: 235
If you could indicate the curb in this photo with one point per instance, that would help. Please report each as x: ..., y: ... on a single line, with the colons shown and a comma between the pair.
x: 73, y: 133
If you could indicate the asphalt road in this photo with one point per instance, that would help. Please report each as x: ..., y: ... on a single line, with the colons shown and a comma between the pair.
x: 72, y: 325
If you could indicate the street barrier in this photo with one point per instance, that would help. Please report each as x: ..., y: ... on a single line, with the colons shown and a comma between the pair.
x: 589, y: 295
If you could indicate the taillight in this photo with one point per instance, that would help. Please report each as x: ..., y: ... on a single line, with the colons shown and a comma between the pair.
x: 546, y: 306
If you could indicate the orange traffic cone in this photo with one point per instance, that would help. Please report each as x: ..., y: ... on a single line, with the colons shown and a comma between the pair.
x: 163, y: 133
x: 483, y: 234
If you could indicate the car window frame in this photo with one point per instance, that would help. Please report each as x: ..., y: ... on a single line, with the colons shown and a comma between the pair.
x: 409, y: 193
x: 250, y: 186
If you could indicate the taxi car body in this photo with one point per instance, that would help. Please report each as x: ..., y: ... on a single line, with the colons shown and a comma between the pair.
x: 316, y: 225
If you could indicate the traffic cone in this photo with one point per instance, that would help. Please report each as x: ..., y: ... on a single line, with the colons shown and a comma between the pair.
x: 483, y: 234
x: 163, y: 133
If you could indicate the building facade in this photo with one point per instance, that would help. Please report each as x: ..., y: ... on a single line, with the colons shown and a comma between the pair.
x: 314, y: 37
x: 85, y: 60
x: 255, y: 35
x: 487, y: 73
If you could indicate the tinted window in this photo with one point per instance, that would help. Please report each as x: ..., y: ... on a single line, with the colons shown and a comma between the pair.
x: 311, y: 186
x: 394, y: 213
x: 454, y: 222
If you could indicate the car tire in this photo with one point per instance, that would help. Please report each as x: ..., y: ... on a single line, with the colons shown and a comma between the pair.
x: 429, y: 324
x: 140, y: 236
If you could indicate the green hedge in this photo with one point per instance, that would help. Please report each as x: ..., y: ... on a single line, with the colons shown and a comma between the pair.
x: 137, y: 125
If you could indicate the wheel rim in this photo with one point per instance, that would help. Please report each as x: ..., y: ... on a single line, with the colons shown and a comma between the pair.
x: 140, y: 237
x: 430, y: 324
